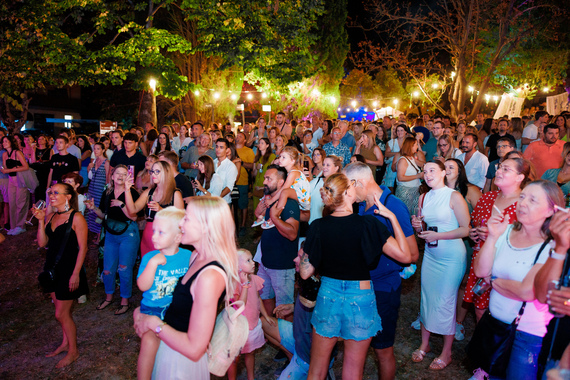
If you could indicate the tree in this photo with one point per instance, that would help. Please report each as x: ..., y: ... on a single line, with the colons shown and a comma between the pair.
x: 447, y: 37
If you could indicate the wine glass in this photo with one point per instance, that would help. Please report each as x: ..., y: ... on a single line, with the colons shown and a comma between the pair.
x: 38, y: 206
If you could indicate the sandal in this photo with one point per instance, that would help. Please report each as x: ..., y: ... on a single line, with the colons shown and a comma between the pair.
x: 437, y: 364
x: 104, y: 304
x: 123, y: 309
x: 418, y: 355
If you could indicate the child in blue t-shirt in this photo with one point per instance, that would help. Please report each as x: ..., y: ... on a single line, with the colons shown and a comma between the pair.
x: 158, y: 275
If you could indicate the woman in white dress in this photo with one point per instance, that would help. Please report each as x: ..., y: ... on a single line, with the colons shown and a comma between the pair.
x: 444, y: 260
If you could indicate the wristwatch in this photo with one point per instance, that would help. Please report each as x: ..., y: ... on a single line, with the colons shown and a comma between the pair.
x: 158, y: 329
x: 556, y: 256
x: 122, y: 205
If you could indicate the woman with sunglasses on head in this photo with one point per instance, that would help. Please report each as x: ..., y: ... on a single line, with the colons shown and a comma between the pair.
x: 161, y: 194
x: 447, y: 148
x: 121, y: 238
x: 446, y: 217
x: 343, y: 247
x: 70, y: 280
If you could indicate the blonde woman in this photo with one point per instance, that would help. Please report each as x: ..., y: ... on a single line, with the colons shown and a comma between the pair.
x: 366, y: 146
x: 447, y: 148
x: 161, y: 194
x: 189, y: 321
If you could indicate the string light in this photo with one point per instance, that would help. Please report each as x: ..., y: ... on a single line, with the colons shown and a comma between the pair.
x: 416, y: 94
x: 470, y: 89
x: 197, y: 93
x: 249, y: 96
x: 333, y: 99
x: 375, y: 104
x: 315, y: 92
x: 395, y: 101
x: 263, y: 95
x: 545, y: 89
x: 434, y: 85
x: 152, y: 84
x: 453, y: 74
x: 234, y: 96
x: 216, y: 95
x: 353, y: 103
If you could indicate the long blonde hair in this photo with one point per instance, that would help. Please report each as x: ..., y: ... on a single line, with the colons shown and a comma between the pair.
x: 219, y: 238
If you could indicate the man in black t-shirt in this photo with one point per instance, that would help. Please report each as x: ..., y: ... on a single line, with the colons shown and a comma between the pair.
x: 491, y: 145
x: 62, y: 162
x: 182, y: 183
x: 279, y: 244
x: 129, y: 155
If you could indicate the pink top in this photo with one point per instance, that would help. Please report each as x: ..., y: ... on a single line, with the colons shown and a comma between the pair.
x: 544, y: 156
x: 253, y: 304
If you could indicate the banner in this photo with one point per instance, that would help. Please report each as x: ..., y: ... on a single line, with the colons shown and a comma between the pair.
x: 510, y: 106
x: 557, y: 103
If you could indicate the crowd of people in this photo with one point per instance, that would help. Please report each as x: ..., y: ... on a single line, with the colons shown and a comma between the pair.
x: 341, y: 208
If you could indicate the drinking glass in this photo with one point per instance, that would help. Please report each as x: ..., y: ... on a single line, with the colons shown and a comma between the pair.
x: 418, y: 214
x: 38, y: 206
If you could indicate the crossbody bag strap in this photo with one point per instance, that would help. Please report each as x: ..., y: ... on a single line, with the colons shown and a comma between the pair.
x: 521, y: 311
x: 65, y: 238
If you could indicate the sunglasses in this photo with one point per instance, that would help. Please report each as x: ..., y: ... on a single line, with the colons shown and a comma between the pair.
x: 53, y: 192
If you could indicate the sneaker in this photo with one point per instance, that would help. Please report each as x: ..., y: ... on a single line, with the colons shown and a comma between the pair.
x: 258, y: 222
x: 479, y: 374
x: 416, y: 325
x: 279, y: 357
x: 82, y: 299
x: 459, y: 331
x: 16, y: 231
x: 267, y: 225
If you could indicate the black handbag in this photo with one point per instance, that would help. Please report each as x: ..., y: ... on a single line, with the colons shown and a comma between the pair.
x: 492, y: 342
x: 113, y: 226
x: 46, y: 278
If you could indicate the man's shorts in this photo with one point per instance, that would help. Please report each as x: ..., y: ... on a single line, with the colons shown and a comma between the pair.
x: 279, y: 284
x: 243, y: 196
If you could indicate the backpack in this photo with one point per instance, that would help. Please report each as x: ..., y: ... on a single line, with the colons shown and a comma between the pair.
x: 229, y: 337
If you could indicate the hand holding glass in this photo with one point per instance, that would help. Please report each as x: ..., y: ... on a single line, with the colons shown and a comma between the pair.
x: 38, y: 206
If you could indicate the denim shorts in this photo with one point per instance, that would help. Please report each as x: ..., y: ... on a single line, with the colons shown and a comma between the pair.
x: 287, y: 339
x: 344, y: 310
x: 157, y: 311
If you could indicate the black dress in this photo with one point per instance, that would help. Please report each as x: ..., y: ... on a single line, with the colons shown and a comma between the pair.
x: 66, y: 265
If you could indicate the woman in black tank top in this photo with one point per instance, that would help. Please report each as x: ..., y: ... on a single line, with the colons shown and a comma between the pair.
x: 189, y: 322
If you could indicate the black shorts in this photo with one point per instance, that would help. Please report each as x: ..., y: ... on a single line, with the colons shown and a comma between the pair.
x: 388, y: 304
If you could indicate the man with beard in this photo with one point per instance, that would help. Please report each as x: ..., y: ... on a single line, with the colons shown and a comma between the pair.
x: 279, y: 245
x: 282, y: 126
x: 475, y: 162
x: 546, y: 153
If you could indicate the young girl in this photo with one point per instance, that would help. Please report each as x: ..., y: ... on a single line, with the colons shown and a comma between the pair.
x: 159, y: 272
x: 296, y: 186
x: 248, y: 292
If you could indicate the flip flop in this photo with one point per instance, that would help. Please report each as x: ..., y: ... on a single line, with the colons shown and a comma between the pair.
x: 122, y: 310
x: 104, y: 304
x: 437, y: 364
x: 418, y: 355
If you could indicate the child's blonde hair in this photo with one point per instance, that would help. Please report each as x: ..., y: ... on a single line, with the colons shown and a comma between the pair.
x: 171, y: 213
x: 243, y: 251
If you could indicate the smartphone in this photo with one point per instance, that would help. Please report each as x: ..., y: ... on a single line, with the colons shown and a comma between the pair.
x: 132, y: 171
x: 306, y: 164
x: 433, y: 243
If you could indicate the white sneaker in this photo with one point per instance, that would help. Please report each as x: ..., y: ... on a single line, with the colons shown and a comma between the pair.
x: 416, y: 325
x: 479, y: 374
x: 82, y: 299
x: 258, y: 222
x: 459, y: 331
x: 16, y: 231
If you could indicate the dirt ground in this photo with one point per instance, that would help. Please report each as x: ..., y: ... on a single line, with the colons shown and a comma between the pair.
x: 109, y: 346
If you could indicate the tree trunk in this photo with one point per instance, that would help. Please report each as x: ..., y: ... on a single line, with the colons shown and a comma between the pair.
x: 147, y: 111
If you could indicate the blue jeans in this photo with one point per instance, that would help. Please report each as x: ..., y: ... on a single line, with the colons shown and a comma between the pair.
x: 279, y: 284
x: 523, y: 364
x: 120, y: 253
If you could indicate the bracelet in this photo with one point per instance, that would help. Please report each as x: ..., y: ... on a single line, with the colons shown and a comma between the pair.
x: 556, y: 256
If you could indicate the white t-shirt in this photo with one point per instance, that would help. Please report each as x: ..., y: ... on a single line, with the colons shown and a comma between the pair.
x: 317, y: 135
x: 530, y: 132
x: 514, y: 264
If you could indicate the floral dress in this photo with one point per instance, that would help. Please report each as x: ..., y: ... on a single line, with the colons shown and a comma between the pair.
x: 479, y: 217
x: 303, y: 189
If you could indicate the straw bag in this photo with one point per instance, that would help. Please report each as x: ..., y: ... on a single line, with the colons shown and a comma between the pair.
x: 230, y: 335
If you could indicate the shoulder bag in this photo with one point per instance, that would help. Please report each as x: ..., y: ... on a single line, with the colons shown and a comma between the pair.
x: 492, y: 342
x: 112, y: 226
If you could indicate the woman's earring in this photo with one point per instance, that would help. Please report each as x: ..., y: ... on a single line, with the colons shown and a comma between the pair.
x: 66, y: 205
